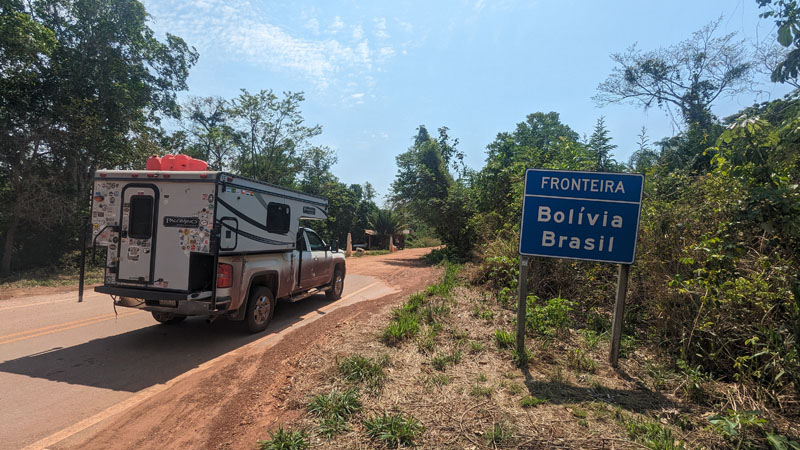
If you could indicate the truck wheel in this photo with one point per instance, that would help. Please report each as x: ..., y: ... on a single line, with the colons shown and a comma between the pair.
x: 167, y: 318
x: 337, y: 286
x: 260, y: 308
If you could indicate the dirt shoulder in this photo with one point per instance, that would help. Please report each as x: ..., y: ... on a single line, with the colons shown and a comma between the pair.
x: 232, y: 405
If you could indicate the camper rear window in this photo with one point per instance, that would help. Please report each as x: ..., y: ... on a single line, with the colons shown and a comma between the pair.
x: 278, y: 215
x: 140, y: 225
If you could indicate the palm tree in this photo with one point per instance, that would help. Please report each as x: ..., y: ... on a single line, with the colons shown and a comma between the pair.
x: 386, y: 223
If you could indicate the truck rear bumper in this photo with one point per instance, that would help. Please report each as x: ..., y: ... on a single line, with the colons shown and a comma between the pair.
x: 181, y: 303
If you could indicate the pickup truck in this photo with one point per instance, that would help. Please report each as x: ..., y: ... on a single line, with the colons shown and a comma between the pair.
x: 213, y: 244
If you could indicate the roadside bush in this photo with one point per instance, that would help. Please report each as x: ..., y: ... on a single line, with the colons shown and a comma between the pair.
x: 550, y: 318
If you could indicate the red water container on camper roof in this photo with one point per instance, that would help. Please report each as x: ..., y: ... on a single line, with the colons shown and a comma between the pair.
x: 176, y: 162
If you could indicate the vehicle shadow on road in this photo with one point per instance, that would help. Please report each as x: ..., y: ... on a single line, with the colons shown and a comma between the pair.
x: 141, y: 358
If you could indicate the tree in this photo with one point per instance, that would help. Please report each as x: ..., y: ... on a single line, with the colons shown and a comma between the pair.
x: 275, y: 135
x: 79, y: 82
x: 644, y: 157
x: 427, y: 190
x: 688, y: 76
x: 600, y: 145
x: 208, y: 125
x: 316, y: 163
x: 541, y: 141
x: 787, y: 18
x: 386, y: 224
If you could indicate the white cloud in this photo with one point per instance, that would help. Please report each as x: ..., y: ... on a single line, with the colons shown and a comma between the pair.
x: 358, y: 32
x: 337, y: 25
x: 313, y: 25
x: 385, y: 53
x: 236, y: 30
x: 479, y: 5
x: 380, y: 25
x: 405, y: 26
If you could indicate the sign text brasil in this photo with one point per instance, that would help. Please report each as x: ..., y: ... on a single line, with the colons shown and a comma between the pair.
x: 581, y: 215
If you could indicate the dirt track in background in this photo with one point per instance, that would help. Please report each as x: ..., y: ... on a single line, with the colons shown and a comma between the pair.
x: 234, y: 404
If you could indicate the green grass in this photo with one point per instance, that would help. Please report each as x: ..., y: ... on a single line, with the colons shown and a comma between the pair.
x: 460, y: 336
x: 578, y: 360
x: 503, y: 339
x: 499, y: 433
x: 285, y: 440
x: 476, y: 347
x: 441, y: 360
x: 521, y: 358
x: 370, y: 253
x: 441, y: 379
x: 590, y: 340
x: 514, y: 388
x: 394, y: 429
x: 404, y: 326
x: 334, y: 410
x: 652, y: 435
x: 481, y: 391
x: 531, y: 401
x: 360, y: 369
x: 50, y: 277
x: 580, y: 413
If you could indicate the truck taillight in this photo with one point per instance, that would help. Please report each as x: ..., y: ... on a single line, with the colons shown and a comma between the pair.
x: 224, y: 275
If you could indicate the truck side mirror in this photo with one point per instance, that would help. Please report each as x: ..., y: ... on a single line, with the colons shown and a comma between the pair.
x: 334, y: 246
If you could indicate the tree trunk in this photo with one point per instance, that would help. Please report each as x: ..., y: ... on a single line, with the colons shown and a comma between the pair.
x: 8, y: 247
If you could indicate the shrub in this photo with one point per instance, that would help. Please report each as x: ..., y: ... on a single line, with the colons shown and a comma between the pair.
x: 394, y: 429
x: 550, y: 318
x: 500, y: 271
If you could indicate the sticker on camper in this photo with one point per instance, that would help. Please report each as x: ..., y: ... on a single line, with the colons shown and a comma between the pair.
x: 309, y: 210
x: 181, y: 222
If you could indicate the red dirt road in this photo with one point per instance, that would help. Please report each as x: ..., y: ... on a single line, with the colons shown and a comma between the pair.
x: 233, y: 404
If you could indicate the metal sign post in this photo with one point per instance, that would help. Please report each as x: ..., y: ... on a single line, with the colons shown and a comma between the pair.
x: 522, y: 287
x: 591, y: 216
x: 619, y: 314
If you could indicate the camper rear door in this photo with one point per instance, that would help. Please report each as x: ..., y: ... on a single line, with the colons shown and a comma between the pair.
x: 138, y: 226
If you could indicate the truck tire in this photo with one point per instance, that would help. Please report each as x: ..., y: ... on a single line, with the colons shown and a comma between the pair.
x: 337, y: 285
x: 167, y: 318
x: 260, y: 308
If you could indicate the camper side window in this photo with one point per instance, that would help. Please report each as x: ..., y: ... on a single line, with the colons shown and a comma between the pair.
x: 278, y: 215
x: 140, y: 225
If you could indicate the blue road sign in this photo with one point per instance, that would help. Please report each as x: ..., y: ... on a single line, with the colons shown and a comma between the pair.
x: 581, y: 215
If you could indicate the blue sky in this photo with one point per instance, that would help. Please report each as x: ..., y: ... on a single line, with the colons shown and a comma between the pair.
x: 374, y: 71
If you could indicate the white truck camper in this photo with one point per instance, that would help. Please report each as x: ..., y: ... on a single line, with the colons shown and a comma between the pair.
x: 189, y: 243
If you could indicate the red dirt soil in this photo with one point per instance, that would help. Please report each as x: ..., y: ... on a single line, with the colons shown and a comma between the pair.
x: 232, y: 405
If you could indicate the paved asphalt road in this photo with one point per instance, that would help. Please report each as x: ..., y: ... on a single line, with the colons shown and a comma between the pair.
x: 62, y: 362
